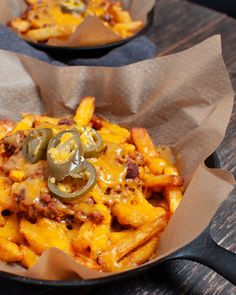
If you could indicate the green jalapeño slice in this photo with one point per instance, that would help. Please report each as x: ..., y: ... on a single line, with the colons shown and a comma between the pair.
x: 73, y: 6
x: 92, y: 142
x: 64, y: 153
x: 78, y: 183
x: 35, y: 145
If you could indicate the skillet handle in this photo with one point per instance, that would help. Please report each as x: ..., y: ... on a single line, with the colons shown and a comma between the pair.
x: 205, y: 251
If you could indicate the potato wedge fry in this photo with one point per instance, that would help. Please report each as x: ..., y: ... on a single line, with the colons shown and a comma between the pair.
x: 109, y: 258
x: 85, y: 111
x: 9, y: 251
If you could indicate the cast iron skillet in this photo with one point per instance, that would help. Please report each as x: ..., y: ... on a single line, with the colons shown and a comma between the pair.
x: 203, y: 250
x: 91, y: 51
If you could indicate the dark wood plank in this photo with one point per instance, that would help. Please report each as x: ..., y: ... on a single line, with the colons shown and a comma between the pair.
x: 177, y: 21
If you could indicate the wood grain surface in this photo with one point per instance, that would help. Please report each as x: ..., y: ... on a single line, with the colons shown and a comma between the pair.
x: 179, y: 25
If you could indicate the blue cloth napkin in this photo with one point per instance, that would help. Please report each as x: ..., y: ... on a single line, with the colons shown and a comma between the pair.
x: 138, y: 49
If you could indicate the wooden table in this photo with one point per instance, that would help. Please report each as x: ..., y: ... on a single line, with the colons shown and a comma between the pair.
x: 179, y: 25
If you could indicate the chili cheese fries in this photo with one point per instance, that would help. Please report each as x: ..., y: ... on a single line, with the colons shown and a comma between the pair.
x: 58, y: 19
x: 96, y: 190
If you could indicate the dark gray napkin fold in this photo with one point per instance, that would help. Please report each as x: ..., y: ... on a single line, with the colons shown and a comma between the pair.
x: 138, y: 49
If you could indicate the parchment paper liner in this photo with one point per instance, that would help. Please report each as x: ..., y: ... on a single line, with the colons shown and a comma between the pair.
x: 85, y: 34
x: 185, y: 100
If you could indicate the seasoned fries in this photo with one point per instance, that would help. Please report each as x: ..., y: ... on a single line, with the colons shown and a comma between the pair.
x: 58, y: 19
x: 93, y: 189
x: 109, y: 259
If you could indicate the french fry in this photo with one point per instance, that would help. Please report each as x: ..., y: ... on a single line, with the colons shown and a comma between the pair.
x: 112, y: 138
x: 173, y: 197
x: 137, y: 212
x: 83, y: 240
x: 29, y: 258
x: 31, y: 2
x: 9, y: 251
x: 136, y: 215
x: 98, y: 195
x: 139, y: 256
x: 165, y: 153
x: 20, y: 25
x: 126, y: 29
x: 151, y: 180
x: 116, y: 237
x: 82, y: 259
x: 145, y: 146
x: 156, y: 165
x: 40, y: 119
x: 143, y: 142
x: 24, y: 124
x: 170, y: 170
x: 100, y: 240
x: 43, y: 34
x: 94, y: 233
x: 85, y: 111
x: 116, y: 129
x: 115, y: 253
x: 122, y: 16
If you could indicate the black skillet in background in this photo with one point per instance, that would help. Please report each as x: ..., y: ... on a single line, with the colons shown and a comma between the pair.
x: 203, y: 250
x: 90, y: 51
